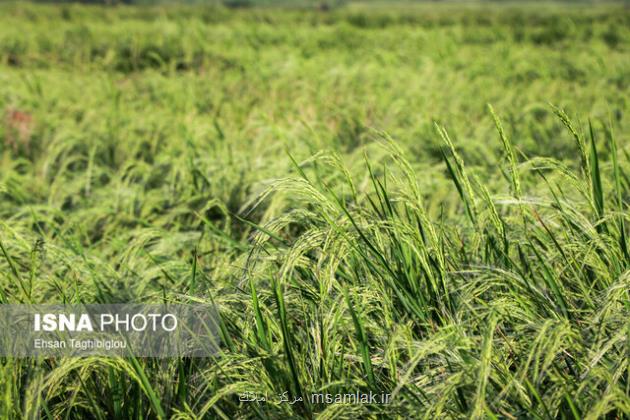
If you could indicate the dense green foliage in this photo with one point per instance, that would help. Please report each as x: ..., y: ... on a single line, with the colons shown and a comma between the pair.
x: 338, y: 185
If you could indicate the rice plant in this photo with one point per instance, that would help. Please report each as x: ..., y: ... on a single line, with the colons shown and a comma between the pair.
x: 427, y: 203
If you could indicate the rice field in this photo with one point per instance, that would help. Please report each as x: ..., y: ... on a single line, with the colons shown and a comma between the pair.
x: 424, y: 201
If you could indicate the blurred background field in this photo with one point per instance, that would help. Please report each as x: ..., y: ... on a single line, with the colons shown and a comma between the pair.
x: 331, y: 176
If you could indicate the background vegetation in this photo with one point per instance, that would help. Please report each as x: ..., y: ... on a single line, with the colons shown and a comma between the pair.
x: 336, y: 183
